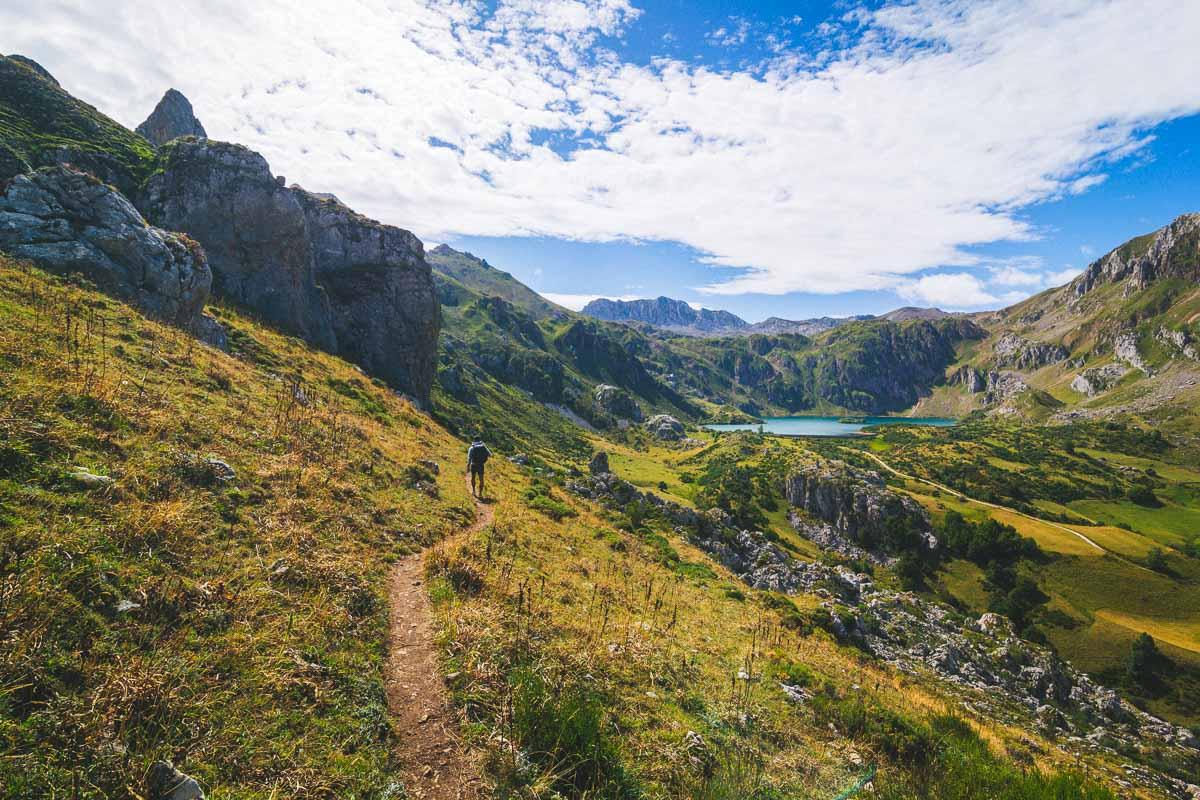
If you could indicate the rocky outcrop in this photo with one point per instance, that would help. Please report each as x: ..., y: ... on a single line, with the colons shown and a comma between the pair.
x: 66, y: 221
x: 1095, y: 380
x: 856, y: 502
x: 171, y: 118
x: 1173, y: 251
x: 1125, y: 348
x: 665, y: 428
x: 1018, y: 352
x: 385, y: 311
x: 253, y: 230
x: 1178, y: 342
x: 617, y: 402
x: 969, y: 378
x: 305, y: 262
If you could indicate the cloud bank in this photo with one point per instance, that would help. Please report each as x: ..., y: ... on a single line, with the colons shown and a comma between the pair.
x: 905, y: 137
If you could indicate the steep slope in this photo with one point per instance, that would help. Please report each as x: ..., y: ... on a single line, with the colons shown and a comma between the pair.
x: 41, y: 124
x: 1121, y: 337
x: 481, y: 277
x: 194, y: 547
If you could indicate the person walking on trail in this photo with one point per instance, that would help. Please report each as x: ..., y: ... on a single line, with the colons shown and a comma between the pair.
x: 477, y: 456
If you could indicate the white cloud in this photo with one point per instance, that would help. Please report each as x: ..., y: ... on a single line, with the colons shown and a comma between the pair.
x: 1062, y: 277
x: 948, y: 290
x: 880, y: 159
x: 576, y: 302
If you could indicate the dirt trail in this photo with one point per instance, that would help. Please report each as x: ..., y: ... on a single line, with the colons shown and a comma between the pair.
x: 433, y: 763
x: 961, y: 496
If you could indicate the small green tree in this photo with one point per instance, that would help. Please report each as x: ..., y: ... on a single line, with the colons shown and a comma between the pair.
x: 1156, y: 560
x: 1143, y: 658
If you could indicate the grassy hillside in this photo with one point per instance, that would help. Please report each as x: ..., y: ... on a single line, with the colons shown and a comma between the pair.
x: 236, y: 626
x: 481, y: 277
x: 1120, y: 485
x: 41, y: 124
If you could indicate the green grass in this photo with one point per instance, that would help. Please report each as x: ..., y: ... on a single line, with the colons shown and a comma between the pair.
x: 237, y: 628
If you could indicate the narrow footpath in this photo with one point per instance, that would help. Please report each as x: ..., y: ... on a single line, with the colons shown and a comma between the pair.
x: 433, y: 762
x: 961, y: 496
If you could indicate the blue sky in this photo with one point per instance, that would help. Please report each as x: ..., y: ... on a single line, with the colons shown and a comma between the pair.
x: 788, y: 159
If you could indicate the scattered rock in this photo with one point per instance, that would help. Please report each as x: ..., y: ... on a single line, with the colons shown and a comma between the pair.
x: 89, y: 479
x: 164, y: 782
x: 431, y: 465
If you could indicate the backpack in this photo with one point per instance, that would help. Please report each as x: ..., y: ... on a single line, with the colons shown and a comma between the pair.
x: 477, y: 454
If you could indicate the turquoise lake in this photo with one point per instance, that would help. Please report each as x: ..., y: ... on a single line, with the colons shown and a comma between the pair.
x: 828, y: 426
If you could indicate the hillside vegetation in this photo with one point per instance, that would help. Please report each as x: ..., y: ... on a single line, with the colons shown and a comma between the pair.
x: 193, y: 548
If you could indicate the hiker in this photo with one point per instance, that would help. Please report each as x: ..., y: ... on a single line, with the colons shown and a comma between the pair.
x: 477, y: 456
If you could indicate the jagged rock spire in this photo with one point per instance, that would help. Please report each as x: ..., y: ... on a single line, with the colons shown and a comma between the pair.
x: 171, y: 118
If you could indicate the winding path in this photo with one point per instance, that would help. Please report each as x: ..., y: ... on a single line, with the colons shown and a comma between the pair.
x: 434, y: 764
x: 962, y: 496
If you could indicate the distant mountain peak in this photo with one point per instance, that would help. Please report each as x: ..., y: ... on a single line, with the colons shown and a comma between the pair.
x: 170, y: 119
x: 665, y: 312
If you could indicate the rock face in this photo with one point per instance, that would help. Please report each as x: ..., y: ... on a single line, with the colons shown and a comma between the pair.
x: 1095, y: 380
x: 616, y: 401
x: 171, y: 118
x: 1168, y: 252
x: 1125, y: 348
x: 1180, y: 342
x: 386, y: 314
x: 305, y: 262
x: 1020, y: 353
x: 854, y: 501
x: 253, y: 230
x: 665, y: 428
x: 66, y: 221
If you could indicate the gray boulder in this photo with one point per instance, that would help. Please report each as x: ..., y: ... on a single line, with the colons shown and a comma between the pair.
x: 616, y: 401
x: 66, y: 221
x: 665, y: 428
x: 171, y: 118
x: 164, y: 782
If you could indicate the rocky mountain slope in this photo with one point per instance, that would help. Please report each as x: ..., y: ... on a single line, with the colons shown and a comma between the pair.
x: 41, y: 124
x: 304, y: 262
x: 1121, y: 337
